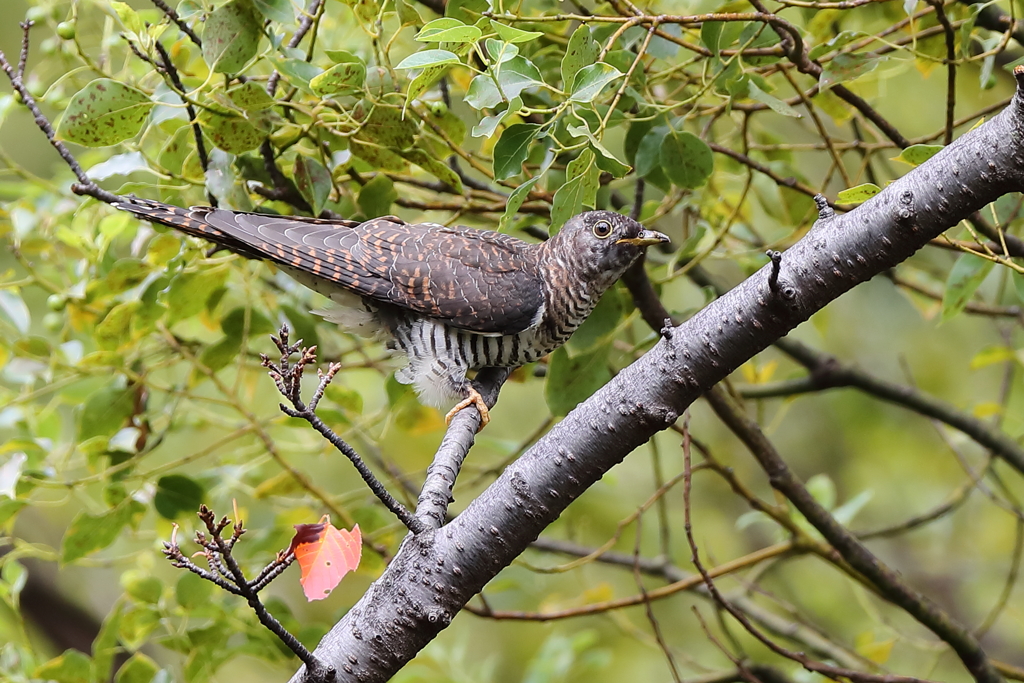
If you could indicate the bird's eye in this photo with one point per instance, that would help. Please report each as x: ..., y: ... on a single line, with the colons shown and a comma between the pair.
x: 602, y: 229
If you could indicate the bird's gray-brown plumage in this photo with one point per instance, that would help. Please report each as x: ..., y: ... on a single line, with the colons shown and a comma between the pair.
x: 452, y: 299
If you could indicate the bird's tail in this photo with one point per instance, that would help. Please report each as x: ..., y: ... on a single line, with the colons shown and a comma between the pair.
x: 193, y: 221
x: 190, y: 221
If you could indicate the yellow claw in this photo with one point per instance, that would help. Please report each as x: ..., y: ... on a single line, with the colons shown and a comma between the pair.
x: 476, y: 399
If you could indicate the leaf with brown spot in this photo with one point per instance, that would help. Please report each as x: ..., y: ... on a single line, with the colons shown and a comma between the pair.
x: 231, y: 36
x: 104, y: 113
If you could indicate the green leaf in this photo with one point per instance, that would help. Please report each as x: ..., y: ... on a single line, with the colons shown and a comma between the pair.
x: 138, y: 669
x: 572, y: 380
x: 251, y: 96
x: 377, y: 196
x: 514, y: 76
x: 136, y: 625
x: 845, y: 513
x: 581, y: 51
x: 482, y: 93
x: 9, y: 509
x: 858, y: 194
x: 388, y: 132
x: 105, y: 646
x: 218, y: 356
x: 841, y: 39
x: 512, y: 149
x: 231, y: 36
x: 230, y: 132
x: 648, y: 152
x: 313, y: 182
x: 580, y: 188
x: 189, y: 292
x: 591, y: 80
x: 343, y: 57
x: 14, y: 308
x: 915, y: 155
x: 105, y: 411
x: 432, y: 33
x: 192, y: 592
x: 89, y: 533
x: 511, y: 34
x: 711, y: 36
x: 686, y: 159
x: 114, y: 331
x: 276, y: 10
x: 846, y: 67
x: 297, y: 72
x: 432, y: 74
x: 126, y: 273
x: 141, y: 588
x: 435, y: 167
x: 441, y: 24
x: 104, y: 113
x: 500, y: 51
x: 585, y: 168
x: 489, y: 124
x: 608, y: 162
x: 234, y: 325
x: 823, y: 490
x: 964, y: 279
x: 71, y: 667
x: 129, y: 18
x: 444, y: 118
x: 427, y: 58
x: 340, y: 79
x: 177, y: 495
x: 774, y: 103
x: 466, y: 10
x: 514, y: 201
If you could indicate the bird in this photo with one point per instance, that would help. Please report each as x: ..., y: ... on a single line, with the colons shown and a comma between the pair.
x: 452, y: 299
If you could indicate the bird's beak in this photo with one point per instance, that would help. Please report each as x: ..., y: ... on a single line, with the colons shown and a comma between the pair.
x: 645, y: 239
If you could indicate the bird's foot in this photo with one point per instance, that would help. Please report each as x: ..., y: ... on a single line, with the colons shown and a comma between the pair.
x: 476, y: 399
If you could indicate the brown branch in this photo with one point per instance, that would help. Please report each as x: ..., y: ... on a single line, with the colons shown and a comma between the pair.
x: 85, y: 186
x: 947, y: 28
x: 173, y: 16
x: 887, y: 582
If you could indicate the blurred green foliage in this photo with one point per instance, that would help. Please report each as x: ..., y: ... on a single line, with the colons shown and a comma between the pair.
x: 130, y: 384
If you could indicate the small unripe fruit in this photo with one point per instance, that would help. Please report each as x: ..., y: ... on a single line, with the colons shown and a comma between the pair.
x: 66, y: 30
x: 53, y: 322
x: 56, y: 302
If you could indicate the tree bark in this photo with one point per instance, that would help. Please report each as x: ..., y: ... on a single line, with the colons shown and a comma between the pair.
x: 435, y: 573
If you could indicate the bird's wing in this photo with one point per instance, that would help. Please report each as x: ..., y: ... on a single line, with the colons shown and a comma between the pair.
x: 477, y: 280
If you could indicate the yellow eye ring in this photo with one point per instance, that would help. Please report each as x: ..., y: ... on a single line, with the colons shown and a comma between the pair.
x: 602, y: 229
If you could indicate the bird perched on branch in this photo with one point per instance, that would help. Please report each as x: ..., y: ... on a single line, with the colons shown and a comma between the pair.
x: 452, y: 299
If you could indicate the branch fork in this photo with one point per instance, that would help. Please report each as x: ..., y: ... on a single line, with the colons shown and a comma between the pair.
x: 287, y: 376
x: 226, y: 573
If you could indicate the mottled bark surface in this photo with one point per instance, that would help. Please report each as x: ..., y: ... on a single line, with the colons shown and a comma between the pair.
x: 437, y: 572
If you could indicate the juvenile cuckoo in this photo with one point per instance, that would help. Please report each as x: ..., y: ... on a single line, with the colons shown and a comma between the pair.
x: 452, y: 299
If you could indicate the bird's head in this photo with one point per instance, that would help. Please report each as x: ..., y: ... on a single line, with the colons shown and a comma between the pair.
x: 604, y: 243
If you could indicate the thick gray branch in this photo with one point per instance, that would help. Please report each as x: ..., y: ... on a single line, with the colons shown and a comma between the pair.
x: 435, y: 573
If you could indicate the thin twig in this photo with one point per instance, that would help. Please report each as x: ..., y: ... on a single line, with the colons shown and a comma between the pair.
x: 288, y: 378
x: 799, y: 657
x: 85, y: 186
x: 173, y: 16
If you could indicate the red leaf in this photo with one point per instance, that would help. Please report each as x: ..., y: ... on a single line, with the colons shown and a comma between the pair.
x: 325, y: 555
